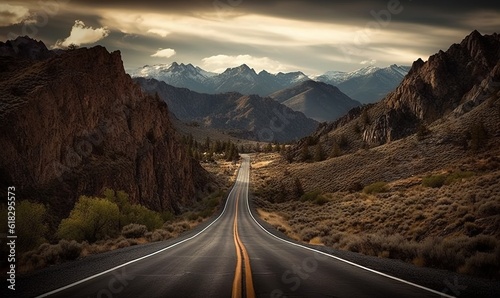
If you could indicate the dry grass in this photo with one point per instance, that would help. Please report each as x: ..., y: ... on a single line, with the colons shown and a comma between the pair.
x: 427, y: 226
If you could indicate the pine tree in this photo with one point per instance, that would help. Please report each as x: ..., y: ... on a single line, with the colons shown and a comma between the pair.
x: 318, y: 153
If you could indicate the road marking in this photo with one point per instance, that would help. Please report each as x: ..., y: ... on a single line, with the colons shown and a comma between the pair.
x: 241, y: 253
x: 146, y: 256
x: 337, y: 258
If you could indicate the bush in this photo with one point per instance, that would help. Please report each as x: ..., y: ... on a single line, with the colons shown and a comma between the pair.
x: 457, y: 176
x: 139, y: 214
x: 434, y: 181
x: 30, y: 225
x: 310, y: 196
x: 375, y: 188
x: 91, y: 219
x: 134, y: 231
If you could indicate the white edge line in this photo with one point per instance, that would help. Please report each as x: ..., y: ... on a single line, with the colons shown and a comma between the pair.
x: 342, y: 260
x: 143, y: 257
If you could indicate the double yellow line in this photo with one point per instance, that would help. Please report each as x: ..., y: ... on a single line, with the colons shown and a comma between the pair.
x: 242, y: 258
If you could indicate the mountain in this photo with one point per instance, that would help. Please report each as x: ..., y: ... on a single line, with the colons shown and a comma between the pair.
x: 241, y: 79
x: 335, y: 77
x: 319, y: 101
x: 73, y: 123
x: 244, y: 116
x: 451, y: 90
x: 179, y: 75
x: 369, y: 84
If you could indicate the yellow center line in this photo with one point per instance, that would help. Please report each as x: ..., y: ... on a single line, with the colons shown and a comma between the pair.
x: 241, y: 250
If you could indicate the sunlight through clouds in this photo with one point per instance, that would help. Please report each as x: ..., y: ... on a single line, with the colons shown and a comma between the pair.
x: 81, y: 34
x: 164, y: 53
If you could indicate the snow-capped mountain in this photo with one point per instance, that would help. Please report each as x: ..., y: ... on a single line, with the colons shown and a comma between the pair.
x: 242, y: 79
x: 368, y: 84
x: 178, y: 75
x: 335, y: 77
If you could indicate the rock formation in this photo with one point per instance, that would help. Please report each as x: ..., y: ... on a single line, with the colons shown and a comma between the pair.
x: 73, y: 123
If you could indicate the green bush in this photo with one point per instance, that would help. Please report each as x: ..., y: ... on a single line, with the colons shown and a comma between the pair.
x: 91, y: 219
x: 138, y: 214
x: 30, y: 225
x: 375, y: 188
x: 310, y: 196
x: 434, y: 181
x: 457, y: 176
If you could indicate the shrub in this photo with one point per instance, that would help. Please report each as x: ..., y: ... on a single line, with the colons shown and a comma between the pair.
x: 141, y: 215
x: 489, y: 209
x: 134, y: 230
x: 30, y: 225
x: 457, y: 176
x: 91, y: 219
x: 434, y: 181
x: 375, y: 188
x: 310, y: 196
x: 69, y: 250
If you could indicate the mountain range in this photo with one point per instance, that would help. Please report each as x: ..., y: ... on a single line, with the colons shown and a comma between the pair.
x: 366, y: 85
x: 241, y: 79
x: 243, y: 116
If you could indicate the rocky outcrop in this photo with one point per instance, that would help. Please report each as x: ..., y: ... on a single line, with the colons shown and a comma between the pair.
x: 435, y: 88
x: 75, y: 123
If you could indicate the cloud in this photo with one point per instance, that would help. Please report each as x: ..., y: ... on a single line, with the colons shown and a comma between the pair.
x: 160, y: 32
x: 12, y: 14
x: 371, y: 62
x: 219, y: 63
x: 164, y: 53
x: 80, y: 34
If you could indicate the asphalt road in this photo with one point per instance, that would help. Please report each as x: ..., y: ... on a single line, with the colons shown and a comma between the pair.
x: 236, y: 256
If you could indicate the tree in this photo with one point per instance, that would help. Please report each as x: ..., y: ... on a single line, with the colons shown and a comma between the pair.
x: 478, y: 136
x: 318, y: 153
x: 299, y: 190
x: 91, y: 219
x: 336, y: 150
x: 30, y: 225
x: 365, y: 119
x: 269, y: 147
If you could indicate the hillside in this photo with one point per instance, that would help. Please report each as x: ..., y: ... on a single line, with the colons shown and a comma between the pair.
x: 73, y: 123
x: 319, y: 101
x: 243, y: 116
x: 413, y: 177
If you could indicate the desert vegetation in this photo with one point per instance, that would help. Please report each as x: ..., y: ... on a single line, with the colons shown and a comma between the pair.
x: 99, y: 224
x: 444, y: 219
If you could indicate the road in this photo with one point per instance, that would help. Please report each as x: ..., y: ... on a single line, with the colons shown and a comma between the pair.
x: 235, y: 256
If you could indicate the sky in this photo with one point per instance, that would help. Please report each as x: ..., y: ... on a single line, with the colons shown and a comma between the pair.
x: 312, y: 36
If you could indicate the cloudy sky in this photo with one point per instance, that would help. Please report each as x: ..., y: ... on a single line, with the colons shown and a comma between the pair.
x: 311, y: 36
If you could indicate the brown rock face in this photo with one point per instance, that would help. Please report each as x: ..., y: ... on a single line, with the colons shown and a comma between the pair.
x: 75, y: 123
x: 435, y: 88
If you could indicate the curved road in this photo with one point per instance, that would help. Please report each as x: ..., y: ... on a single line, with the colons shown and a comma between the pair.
x: 235, y: 256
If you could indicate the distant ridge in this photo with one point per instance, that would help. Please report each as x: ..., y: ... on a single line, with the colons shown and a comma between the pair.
x: 244, y: 116
x: 319, y: 101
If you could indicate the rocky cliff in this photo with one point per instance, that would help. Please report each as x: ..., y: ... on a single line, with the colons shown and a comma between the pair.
x: 73, y: 123
x: 433, y: 89
x: 448, y: 85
